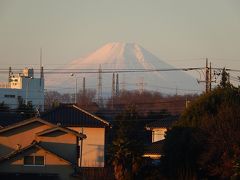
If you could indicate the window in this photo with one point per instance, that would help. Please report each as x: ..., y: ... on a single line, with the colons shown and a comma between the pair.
x: 39, y: 160
x: 33, y: 161
x: 28, y: 160
x: 9, y: 96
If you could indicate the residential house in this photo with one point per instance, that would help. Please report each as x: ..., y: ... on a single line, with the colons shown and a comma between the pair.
x: 77, y: 119
x: 36, y: 149
x: 158, y: 128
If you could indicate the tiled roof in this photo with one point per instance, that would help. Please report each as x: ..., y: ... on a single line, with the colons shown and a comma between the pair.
x: 24, y: 122
x: 70, y: 115
x: 7, y: 118
x: 163, y: 123
x: 53, y: 126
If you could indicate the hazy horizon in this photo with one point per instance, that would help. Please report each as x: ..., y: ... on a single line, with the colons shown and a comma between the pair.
x: 182, y: 33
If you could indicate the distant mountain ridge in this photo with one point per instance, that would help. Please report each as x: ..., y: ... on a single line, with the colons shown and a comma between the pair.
x: 118, y: 56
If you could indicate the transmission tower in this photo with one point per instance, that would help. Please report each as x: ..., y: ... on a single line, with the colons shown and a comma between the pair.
x: 84, y: 86
x: 117, y: 85
x: 113, y: 85
x: 9, y: 74
x: 140, y: 85
x: 123, y: 83
x: 100, y: 86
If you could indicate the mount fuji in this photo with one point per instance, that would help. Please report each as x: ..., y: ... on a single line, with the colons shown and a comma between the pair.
x: 126, y: 56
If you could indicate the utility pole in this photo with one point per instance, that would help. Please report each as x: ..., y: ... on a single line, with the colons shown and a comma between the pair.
x: 208, y: 77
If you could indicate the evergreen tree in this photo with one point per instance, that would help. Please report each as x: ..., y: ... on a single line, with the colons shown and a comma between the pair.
x: 206, y: 141
x: 127, y: 146
x: 4, y: 107
x: 225, y: 79
x: 25, y: 110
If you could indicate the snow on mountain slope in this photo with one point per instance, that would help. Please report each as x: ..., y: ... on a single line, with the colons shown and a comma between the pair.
x: 127, y: 56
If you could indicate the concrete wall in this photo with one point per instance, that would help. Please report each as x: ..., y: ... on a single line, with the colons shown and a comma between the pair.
x: 30, y: 90
x: 93, y: 146
x: 12, y: 102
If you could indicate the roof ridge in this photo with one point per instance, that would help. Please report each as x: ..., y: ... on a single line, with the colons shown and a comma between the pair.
x: 26, y: 121
x: 92, y: 115
x: 49, y: 130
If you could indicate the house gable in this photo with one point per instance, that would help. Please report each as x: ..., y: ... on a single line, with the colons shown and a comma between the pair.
x: 35, y: 148
x: 77, y: 119
x: 160, y: 127
x: 62, y: 141
x: 51, y: 164
x: 20, y: 135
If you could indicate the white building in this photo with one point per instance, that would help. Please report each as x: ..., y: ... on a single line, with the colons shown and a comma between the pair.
x: 23, y: 86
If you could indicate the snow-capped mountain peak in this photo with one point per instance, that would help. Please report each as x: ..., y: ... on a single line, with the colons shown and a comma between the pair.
x: 118, y: 55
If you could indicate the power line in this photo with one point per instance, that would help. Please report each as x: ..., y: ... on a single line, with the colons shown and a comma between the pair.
x: 110, y: 70
x: 106, y: 70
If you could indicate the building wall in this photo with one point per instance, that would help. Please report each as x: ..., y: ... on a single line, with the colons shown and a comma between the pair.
x: 158, y: 134
x: 93, y: 146
x: 19, y: 137
x: 28, y: 88
x: 33, y: 91
x: 10, y: 96
x: 53, y: 164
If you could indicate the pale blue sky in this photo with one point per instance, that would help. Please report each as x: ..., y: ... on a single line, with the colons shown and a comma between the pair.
x: 180, y: 32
